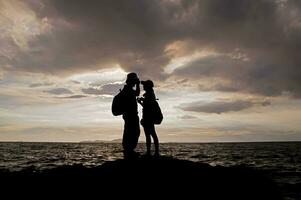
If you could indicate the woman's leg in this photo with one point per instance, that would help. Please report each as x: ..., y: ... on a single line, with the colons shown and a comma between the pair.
x: 155, y: 138
x: 147, y: 132
x: 148, y: 144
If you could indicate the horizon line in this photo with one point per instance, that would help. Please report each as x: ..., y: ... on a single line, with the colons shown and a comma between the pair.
x: 142, y: 142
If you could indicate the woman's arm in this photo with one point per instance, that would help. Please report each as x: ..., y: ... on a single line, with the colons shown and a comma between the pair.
x: 140, y: 101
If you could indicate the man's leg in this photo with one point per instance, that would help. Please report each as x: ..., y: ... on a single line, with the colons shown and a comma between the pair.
x: 130, y: 136
x: 135, y: 132
x: 126, y: 140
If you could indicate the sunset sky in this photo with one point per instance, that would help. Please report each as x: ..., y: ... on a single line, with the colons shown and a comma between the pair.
x: 223, y: 70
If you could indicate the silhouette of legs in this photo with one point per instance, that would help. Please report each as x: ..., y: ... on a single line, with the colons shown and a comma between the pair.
x: 150, y: 131
x: 148, y: 144
x: 156, y: 142
x: 131, y: 135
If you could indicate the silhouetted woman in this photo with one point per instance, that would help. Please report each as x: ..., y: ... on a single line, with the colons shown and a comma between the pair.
x: 147, y: 102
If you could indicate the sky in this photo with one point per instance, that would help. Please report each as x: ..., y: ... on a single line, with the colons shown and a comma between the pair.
x: 224, y: 71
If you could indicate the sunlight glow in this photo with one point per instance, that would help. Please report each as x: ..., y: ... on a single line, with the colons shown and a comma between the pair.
x: 182, y: 61
x: 109, y: 75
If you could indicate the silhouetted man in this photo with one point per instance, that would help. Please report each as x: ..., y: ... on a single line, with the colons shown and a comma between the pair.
x: 131, y: 131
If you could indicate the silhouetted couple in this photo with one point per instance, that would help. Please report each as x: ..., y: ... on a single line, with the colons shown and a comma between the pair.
x: 125, y: 103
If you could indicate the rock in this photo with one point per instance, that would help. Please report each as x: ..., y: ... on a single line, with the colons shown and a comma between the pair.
x: 153, y: 176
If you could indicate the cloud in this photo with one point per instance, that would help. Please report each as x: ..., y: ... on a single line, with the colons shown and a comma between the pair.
x: 108, y: 89
x: 75, y: 96
x: 75, y: 82
x: 34, y: 85
x: 187, y: 117
x: 219, y: 107
x: 145, y: 36
x: 92, y: 90
x: 222, y: 87
x: 95, y: 35
x: 20, y: 26
x: 244, y: 76
x: 111, y: 88
x: 59, y: 91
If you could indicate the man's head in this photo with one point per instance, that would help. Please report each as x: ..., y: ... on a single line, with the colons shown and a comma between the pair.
x: 132, y: 79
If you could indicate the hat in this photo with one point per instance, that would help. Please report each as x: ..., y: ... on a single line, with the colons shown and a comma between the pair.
x: 148, y: 83
x: 132, y: 76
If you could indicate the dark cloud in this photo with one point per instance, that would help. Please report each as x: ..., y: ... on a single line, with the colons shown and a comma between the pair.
x: 187, y: 117
x: 75, y: 96
x: 59, y: 91
x: 75, y: 82
x: 244, y: 76
x: 111, y: 88
x: 219, y: 107
x: 34, y: 85
x: 93, y: 91
x: 97, y: 34
x: 108, y: 89
x: 135, y: 34
x: 266, y: 103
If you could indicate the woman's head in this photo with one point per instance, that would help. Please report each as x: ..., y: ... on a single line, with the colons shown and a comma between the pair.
x: 147, y: 85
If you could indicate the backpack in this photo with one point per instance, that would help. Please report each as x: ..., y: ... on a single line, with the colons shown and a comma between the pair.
x: 118, y: 104
x: 157, y: 114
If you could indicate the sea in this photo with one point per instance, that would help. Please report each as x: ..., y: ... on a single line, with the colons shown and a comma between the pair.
x: 280, y: 160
